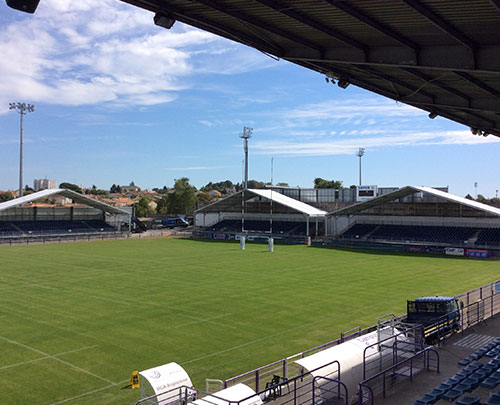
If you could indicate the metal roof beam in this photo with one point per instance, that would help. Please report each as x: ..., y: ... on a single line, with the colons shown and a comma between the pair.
x: 444, y: 110
x: 478, y: 83
x: 414, y: 90
x: 314, y: 24
x: 496, y: 3
x: 441, y: 23
x: 251, y: 20
x: 359, y: 15
x: 436, y: 82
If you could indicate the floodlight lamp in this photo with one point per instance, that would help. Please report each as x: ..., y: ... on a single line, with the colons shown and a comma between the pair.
x: 247, y: 133
x: 326, y: 79
x: 432, y: 115
x: 31, y: 108
x: 343, y: 83
x: 474, y: 131
x: 361, y: 152
x: 164, y: 20
x: 12, y: 106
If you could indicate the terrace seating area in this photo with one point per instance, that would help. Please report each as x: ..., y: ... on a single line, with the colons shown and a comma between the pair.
x: 414, y: 233
x: 42, y: 228
x: 480, y: 373
x: 279, y: 227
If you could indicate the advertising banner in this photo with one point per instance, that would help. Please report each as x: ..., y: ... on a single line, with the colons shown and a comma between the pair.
x: 454, y: 251
x: 419, y: 249
x: 477, y: 253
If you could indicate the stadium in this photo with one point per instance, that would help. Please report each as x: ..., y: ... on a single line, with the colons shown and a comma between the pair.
x: 371, y: 295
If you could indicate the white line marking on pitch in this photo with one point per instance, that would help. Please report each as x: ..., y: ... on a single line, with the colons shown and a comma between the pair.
x: 46, y: 357
x: 254, y: 341
x: 89, y: 392
x: 55, y: 358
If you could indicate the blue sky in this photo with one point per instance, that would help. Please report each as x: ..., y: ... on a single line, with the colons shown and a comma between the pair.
x: 118, y: 99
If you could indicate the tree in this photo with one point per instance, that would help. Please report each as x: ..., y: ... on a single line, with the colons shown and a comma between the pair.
x: 203, y: 197
x: 256, y: 184
x: 322, y: 183
x: 221, y: 186
x: 71, y: 186
x: 162, y: 204
x: 6, y: 196
x: 115, y: 188
x: 181, y: 201
x: 142, y: 207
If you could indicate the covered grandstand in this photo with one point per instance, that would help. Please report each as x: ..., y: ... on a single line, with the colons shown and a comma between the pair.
x: 419, y: 216
x: 23, y: 218
x: 254, y: 211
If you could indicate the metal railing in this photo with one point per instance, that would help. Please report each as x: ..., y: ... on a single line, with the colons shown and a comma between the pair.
x: 299, y: 390
x: 287, y: 366
x: 403, y: 370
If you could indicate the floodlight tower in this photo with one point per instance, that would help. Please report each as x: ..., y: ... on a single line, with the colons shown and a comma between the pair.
x: 361, y: 152
x: 22, y: 108
x: 246, y: 135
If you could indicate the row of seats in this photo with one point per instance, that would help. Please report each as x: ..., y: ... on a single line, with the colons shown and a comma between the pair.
x: 416, y: 233
x: 474, y: 374
x: 279, y: 227
x: 23, y: 228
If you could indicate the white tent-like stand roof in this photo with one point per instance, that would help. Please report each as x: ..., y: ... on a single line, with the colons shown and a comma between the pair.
x: 76, y: 197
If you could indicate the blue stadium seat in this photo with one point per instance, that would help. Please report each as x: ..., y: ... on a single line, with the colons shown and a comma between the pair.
x: 494, y: 399
x: 452, y: 394
x: 469, y: 401
x: 490, y: 382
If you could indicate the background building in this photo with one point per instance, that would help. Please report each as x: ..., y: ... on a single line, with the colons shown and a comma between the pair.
x: 44, y: 184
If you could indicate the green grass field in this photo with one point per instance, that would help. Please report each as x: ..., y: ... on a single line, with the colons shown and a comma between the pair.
x: 77, y: 318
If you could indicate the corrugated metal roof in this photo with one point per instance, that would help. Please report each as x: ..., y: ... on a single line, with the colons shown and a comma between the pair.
x: 408, y: 190
x: 76, y: 197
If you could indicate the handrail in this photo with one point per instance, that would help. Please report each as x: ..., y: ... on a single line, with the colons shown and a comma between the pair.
x: 340, y: 384
x: 188, y: 390
x: 382, y: 373
x: 379, y: 342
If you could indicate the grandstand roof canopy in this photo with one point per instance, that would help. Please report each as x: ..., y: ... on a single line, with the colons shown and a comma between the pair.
x: 408, y: 190
x: 278, y: 198
x: 76, y: 197
x: 442, y: 56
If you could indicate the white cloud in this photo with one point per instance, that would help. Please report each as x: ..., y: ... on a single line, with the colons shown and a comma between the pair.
x: 104, y: 51
x: 196, y: 168
x: 348, y: 146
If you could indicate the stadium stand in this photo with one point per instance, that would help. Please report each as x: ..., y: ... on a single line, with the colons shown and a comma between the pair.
x: 260, y: 226
x: 259, y: 208
x: 413, y: 233
x: 41, y: 228
x: 22, y: 218
x: 420, y: 216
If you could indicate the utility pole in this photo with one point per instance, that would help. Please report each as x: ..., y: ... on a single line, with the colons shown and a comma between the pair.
x: 22, y: 108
